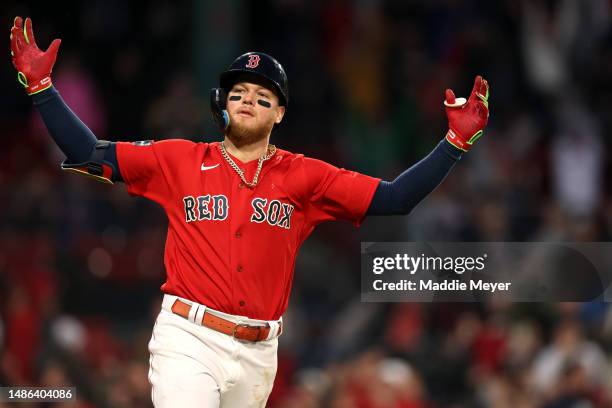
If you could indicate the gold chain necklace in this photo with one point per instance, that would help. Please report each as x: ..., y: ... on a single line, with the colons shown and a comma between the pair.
x: 269, y: 153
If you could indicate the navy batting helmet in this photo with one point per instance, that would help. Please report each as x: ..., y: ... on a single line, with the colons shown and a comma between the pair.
x: 254, y: 63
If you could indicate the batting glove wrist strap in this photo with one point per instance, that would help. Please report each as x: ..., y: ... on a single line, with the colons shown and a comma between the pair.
x: 33, y: 65
x: 35, y: 87
x: 467, y: 118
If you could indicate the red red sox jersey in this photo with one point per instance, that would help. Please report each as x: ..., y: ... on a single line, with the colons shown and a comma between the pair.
x: 230, y: 247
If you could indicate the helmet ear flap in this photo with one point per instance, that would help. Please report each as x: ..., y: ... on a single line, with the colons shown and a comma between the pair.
x: 218, y: 98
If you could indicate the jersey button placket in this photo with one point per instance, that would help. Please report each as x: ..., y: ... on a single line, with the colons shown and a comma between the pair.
x: 234, y: 226
x: 238, y: 234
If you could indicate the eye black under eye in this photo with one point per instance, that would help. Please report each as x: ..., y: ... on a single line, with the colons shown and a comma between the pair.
x: 235, y: 97
x: 263, y: 103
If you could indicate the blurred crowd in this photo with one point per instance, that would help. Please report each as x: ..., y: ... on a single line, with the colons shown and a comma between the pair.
x: 81, y: 263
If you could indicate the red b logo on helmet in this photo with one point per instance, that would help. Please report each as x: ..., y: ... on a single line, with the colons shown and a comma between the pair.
x: 253, y: 61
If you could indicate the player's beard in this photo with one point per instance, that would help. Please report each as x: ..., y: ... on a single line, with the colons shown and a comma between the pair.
x: 241, y: 135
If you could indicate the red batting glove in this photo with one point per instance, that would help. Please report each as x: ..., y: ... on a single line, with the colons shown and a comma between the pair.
x: 33, y: 66
x: 467, y: 119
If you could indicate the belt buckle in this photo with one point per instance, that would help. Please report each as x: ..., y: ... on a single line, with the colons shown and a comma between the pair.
x: 246, y: 326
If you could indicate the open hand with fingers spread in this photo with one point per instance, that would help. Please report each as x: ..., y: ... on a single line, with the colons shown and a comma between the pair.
x: 33, y: 65
x: 467, y: 118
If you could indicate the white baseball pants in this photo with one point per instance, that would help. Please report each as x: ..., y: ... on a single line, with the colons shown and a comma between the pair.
x: 192, y: 366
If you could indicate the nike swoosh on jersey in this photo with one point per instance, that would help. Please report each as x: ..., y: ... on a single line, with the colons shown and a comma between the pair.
x: 203, y: 167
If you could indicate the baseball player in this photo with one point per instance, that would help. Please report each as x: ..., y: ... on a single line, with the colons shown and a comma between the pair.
x: 238, y: 211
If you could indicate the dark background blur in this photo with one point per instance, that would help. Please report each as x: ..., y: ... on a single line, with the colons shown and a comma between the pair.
x: 81, y: 262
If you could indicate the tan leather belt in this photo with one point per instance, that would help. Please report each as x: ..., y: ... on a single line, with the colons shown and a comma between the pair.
x: 239, y: 331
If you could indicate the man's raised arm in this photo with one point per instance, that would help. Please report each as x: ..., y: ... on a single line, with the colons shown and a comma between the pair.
x: 466, y: 122
x: 85, y: 154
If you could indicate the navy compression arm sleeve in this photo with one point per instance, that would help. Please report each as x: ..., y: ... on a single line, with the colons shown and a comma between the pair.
x: 74, y: 139
x: 401, y: 195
